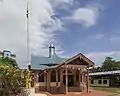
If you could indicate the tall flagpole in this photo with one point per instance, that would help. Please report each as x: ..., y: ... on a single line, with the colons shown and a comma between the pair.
x: 28, y: 77
x: 27, y: 16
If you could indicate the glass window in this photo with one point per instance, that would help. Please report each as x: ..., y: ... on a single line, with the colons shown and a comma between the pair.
x: 41, y: 78
x: 53, y: 76
x: 92, y: 82
x: 99, y: 81
x: 104, y: 81
x: 58, y: 76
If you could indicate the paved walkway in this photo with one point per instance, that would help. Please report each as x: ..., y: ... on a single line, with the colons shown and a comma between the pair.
x: 96, y: 93
x: 91, y: 93
x: 40, y: 95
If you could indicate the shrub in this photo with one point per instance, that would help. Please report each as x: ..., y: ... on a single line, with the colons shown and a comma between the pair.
x: 12, y: 80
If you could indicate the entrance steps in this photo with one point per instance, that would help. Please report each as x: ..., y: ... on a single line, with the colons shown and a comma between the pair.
x: 62, y: 89
x: 74, y: 89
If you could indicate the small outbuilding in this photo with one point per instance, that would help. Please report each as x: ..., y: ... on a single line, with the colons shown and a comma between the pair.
x: 51, y: 73
x: 105, y: 79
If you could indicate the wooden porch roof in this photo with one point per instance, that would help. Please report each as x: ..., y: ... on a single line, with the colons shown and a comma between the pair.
x: 78, y: 60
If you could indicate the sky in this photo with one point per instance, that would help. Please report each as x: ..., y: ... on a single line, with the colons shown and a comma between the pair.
x: 91, y: 27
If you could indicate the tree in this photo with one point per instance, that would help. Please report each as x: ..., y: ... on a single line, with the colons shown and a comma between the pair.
x: 110, y: 64
x: 117, y: 63
x: 94, y: 69
x: 8, y: 61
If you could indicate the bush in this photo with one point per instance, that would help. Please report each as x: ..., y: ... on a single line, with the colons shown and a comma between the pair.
x: 12, y: 80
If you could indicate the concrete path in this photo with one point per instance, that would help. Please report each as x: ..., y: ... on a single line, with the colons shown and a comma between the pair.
x: 91, y: 93
x: 96, y: 93
x: 40, y: 95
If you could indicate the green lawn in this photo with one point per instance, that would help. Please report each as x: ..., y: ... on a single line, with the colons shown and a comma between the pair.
x: 116, y: 91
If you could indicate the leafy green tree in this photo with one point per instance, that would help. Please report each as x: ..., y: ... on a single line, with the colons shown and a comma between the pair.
x: 117, y: 64
x: 94, y: 69
x: 8, y: 61
x: 110, y: 64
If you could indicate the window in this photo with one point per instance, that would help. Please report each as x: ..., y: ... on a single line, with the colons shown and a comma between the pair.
x: 58, y: 76
x: 53, y: 76
x: 99, y: 81
x: 104, y: 81
x: 92, y: 82
x: 41, y: 78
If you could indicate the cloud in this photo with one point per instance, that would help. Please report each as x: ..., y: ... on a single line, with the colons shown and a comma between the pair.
x: 99, y: 36
x: 59, y: 3
x: 13, y: 27
x: 43, y: 26
x: 86, y: 16
x: 1, y: 1
x: 114, y: 39
x: 99, y: 57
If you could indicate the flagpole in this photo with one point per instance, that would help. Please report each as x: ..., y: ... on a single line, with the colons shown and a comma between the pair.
x: 28, y: 77
x: 27, y: 16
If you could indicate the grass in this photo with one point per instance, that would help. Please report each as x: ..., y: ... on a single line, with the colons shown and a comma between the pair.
x: 114, y: 90
x: 107, y: 89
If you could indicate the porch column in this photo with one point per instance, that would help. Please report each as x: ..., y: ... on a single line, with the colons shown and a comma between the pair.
x: 48, y: 81
x: 79, y: 77
x: 61, y: 77
x: 66, y: 81
x: 87, y: 81
x: 74, y: 77
x: 56, y: 77
x: 35, y: 79
x: 45, y: 80
x: 82, y: 75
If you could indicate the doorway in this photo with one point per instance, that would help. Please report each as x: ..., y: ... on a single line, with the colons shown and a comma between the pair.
x: 70, y: 80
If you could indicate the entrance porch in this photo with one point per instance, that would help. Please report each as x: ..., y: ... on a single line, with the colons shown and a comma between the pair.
x: 55, y: 81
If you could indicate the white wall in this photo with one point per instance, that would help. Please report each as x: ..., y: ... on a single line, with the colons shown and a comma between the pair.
x: 44, y: 84
x: 95, y: 83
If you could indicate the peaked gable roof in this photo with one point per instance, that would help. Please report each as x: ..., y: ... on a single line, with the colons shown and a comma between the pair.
x: 80, y: 55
